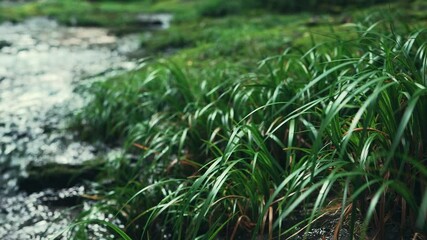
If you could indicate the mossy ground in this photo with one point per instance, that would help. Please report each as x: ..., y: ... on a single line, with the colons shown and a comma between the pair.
x: 244, y: 39
x: 247, y: 36
x: 110, y: 14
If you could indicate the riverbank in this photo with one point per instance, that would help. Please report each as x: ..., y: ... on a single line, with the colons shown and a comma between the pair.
x: 116, y: 16
x: 255, y: 123
x: 264, y: 125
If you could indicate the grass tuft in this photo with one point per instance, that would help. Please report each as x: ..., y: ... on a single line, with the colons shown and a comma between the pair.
x: 330, y: 131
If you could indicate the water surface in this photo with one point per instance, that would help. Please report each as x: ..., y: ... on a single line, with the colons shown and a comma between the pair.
x: 41, y: 62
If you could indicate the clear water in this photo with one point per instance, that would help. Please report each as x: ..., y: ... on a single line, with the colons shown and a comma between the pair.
x: 40, y: 65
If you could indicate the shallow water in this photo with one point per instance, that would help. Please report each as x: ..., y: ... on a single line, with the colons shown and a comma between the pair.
x: 40, y: 65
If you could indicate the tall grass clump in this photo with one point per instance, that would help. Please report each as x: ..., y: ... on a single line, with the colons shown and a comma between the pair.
x: 333, y: 132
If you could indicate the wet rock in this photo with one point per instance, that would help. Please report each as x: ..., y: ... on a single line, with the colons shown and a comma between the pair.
x: 63, y: 198
x: 57, y: 175
x: 313, y: 21
x: 154, y: 20
x: 4, y: 43
x: 62, y: 201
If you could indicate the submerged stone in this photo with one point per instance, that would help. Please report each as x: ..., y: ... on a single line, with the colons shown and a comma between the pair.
x: 57, y: 175
x: 160, y: 20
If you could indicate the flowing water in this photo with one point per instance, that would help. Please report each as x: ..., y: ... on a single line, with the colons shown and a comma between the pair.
x: 40, y: 65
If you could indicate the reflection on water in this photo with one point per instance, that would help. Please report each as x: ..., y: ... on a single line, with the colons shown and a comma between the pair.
x: 39, y: 63
x: 37, y: 72
x: 33, y: 216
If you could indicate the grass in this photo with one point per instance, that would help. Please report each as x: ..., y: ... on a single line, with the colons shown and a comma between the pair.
x: 267, y: 129
x: 334, y: 131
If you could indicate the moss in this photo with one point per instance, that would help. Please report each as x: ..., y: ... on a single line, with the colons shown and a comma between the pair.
x: 83, y: 13
x: 57, y: 175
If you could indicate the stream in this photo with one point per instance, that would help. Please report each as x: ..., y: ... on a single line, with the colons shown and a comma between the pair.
x: 41, y: 63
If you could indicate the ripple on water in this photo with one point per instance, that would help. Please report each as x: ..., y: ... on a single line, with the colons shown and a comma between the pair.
x: 33, y: 216
x: 38, y: 70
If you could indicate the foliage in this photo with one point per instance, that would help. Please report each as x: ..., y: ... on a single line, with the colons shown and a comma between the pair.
x: 220, y: 8
x: 219, y: 145
x: 225, y: 152
x: 117, y: 15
